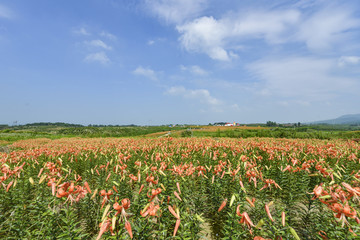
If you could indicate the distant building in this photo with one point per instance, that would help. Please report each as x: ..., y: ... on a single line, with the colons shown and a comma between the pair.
x: 232, y: 124
x: 227, y: 124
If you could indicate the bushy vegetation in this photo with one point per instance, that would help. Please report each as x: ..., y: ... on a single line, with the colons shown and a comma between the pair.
x: 301, y: 133
x: 61, y: 130
x: 56, y: 131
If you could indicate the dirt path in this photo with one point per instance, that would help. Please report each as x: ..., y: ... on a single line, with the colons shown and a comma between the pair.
x: 206, y: 232
x: 4, y: 149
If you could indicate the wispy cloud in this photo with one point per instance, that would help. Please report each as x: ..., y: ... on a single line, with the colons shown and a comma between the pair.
x: 95, y: 48
x: 272, y: 26
x: 155, y: 40
x: 328, y: 26
x: 194, y: 69
x: 108, y: 35
x: 146, y: 72
x: 81, y: 31
x: 6, y: 12
x: 99, y: 57
x: 302, y: 78
x: 176, y: 11
x: 98, y: 43
x: 348, y: 60
x: 202, y: 95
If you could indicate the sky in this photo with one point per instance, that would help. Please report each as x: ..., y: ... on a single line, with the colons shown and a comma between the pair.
x: 154, y: 62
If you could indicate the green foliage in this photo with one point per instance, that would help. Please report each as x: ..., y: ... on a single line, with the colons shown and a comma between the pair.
x: 271, y: 124
x: 301, y: 133
x: 186, y: 133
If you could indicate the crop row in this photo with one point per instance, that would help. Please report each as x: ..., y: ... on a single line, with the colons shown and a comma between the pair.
x: 185, y: 188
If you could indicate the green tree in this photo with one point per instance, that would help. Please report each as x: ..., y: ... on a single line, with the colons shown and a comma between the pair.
x: 271, y: 124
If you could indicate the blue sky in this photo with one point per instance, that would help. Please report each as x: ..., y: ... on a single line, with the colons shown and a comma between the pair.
x: 152, y: 62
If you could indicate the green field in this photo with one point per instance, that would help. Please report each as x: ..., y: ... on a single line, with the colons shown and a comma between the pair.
x: 10, y: 134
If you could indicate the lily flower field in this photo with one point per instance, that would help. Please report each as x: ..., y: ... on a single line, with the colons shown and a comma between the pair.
x: 180, y: 188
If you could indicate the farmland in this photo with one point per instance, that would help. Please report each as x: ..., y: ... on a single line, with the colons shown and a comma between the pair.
x: 9, y: 134
x: 180, y: 188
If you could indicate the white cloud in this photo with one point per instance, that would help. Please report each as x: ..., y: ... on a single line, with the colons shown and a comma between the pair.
x: 235, y: 107
x: 176, y: 11
x: 304, y: 78
x: 194, y: 69
x: 98, y: 43
x: 201, y: 95
x: 100, y: 57
x: 5, y: 12
x: 307, y: 3
x: 146, y: 72
x: 205, y: 34
x: 108, y: 35
x: 348, y: 60
x: 155, y: 41
x: 273, y: 26
x: 316, y: 24
x: 328, y: 26
x: 215, y: 37
x: 82, y: 31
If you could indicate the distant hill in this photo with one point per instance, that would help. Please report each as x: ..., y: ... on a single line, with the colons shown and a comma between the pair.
x: 345, y: 119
